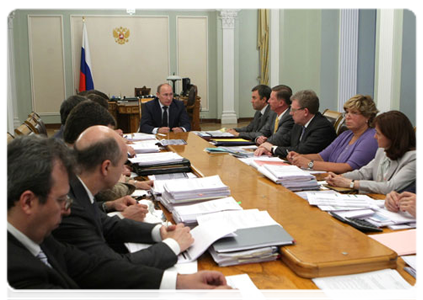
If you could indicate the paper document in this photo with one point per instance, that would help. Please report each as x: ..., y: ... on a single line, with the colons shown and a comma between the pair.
x: 379, y: 280
x: 402, y: 242
x: 147, y: 159
x: 245, y: 286
x: 138, y: 136
x: 204, y: 235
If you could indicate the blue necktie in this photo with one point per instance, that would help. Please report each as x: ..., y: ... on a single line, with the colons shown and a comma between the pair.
x: 302, y: 133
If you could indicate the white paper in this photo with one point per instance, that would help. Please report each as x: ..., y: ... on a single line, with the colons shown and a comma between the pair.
x: 383, y: 284
x: 239, y: 219
x: 204, y: 235
x: 410, y: 260
x: 245, y: 285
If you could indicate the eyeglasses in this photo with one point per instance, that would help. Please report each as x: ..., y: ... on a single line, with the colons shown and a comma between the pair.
x: 67, y: 200
x: 293, y: 110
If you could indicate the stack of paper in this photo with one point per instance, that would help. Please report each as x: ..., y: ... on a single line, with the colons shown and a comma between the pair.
x: 138, y: 136
x: 291, y: 177
x: 195, y: 189
x: 411, y: 261
x: 156, y: 158
x: 188, y: 213
x: 147, y: 146
x: 255, y: 239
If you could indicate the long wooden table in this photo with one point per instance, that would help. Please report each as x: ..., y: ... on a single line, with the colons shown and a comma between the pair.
x: 323, y: 245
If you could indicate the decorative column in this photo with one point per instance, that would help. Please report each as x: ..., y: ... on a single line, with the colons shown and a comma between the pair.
x: 228, y: 27
x: 12, y: 119
x: 348, y: 55
x: 274, y: 47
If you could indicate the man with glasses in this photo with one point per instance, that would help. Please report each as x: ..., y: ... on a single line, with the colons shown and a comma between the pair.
x: 38, y: 172
x: 311, y: 133
x: 280, y: 122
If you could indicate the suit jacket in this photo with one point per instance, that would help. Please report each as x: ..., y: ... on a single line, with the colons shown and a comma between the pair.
x: 92, y: 230
x: 285, y: 125
x: 317, y: 136
x: 73, y: 269
x: 151, y: 116
x: 401, y: 174
x: 252, y: 130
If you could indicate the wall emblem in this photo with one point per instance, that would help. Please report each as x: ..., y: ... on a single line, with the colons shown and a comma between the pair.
x: 121, y: 35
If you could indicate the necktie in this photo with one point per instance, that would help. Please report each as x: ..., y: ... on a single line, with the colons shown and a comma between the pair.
x: 302, y: 133
x: 42, y: 256
x: 276, y: 125
x: 164, y: 119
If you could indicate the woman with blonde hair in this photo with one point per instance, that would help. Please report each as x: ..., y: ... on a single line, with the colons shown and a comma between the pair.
x: 353, y: 148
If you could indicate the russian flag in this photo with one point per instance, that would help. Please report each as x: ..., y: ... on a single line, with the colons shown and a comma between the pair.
x: 86, y: 82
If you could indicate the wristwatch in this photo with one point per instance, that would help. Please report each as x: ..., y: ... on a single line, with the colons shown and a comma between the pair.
x: 352, y: 184
x: 310, y: 165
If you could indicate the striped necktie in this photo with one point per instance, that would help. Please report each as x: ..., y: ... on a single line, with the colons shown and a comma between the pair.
x: 42, y: 256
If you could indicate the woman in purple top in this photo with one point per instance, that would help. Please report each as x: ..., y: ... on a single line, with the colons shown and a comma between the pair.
x: 353, y: 148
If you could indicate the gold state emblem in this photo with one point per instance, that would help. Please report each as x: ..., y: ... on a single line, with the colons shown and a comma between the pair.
x: 121, y: 35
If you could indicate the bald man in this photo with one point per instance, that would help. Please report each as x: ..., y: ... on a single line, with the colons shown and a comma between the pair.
x: 101, y: 154
x: 164, y: 114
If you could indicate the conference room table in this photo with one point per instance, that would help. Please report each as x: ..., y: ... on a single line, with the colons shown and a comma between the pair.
x: 323, y: 245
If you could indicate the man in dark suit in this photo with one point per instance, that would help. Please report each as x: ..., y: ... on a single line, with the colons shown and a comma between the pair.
x: 36, y: 201
x: 101, y: 155
x: 311, y: 133
x: 259, y: 98
x: 164, y: 114
x: 281, y: 121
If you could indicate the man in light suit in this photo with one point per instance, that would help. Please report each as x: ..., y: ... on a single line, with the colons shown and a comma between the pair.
x: 311, y: 133
x: 36, y: 202
x: 101, y: 155
x: 281, y: 121
x: 259, y: 98
x: 164, y: 114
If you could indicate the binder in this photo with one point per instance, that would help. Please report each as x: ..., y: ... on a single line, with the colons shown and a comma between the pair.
x: 183, y: 166
x: 256, y: 237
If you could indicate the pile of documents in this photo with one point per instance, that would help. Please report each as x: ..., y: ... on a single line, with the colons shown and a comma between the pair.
x: 147, y: 146
x: 359, y: 206
x: 188, y: 214
x: 255, y: 238
x: 193, y: 190
x: 139, y: 136
x: 291, y: 177
x: 411, y: 261
x: 156, y: 158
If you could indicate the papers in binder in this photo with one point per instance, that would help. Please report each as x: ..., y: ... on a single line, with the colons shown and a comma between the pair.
x: 156, y: 158
x: 148, y: 146
x: 138, y: 136
x: 291, y: 177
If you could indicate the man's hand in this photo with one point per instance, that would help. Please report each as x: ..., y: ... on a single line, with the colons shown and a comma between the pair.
x: 180, y: 233
x: 265, y: 148
x: 177, y: 129
x: 202, y: 280
x: 261, y: 139
x: 136, y: 212
x: 120, y: 204
x: 223, y: 292
x: 233, y: 131
x: 163, y: 130
x: 131, y: 151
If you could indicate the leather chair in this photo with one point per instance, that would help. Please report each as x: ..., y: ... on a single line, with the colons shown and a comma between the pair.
x: 40, y: 126
x: 333, y: 116
x: 24, y: 129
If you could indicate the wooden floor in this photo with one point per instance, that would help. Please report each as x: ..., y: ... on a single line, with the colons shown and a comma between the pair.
x: 204, y: 127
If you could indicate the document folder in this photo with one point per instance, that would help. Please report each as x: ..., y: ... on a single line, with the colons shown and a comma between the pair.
x: 256, y: 237
x: 183, y: 166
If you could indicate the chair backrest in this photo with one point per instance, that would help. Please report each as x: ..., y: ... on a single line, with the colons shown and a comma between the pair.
x: 333, y: 116
x: 9, y: 137
x: 144, y: 91
x: 341, y: 127
x: 32, y: 124
x: 24, y: 129
x: 192, y: 95
x: 41, y: 127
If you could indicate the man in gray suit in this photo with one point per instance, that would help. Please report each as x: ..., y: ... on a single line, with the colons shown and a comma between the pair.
x: 281, y: 122
x: 259, y: 99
